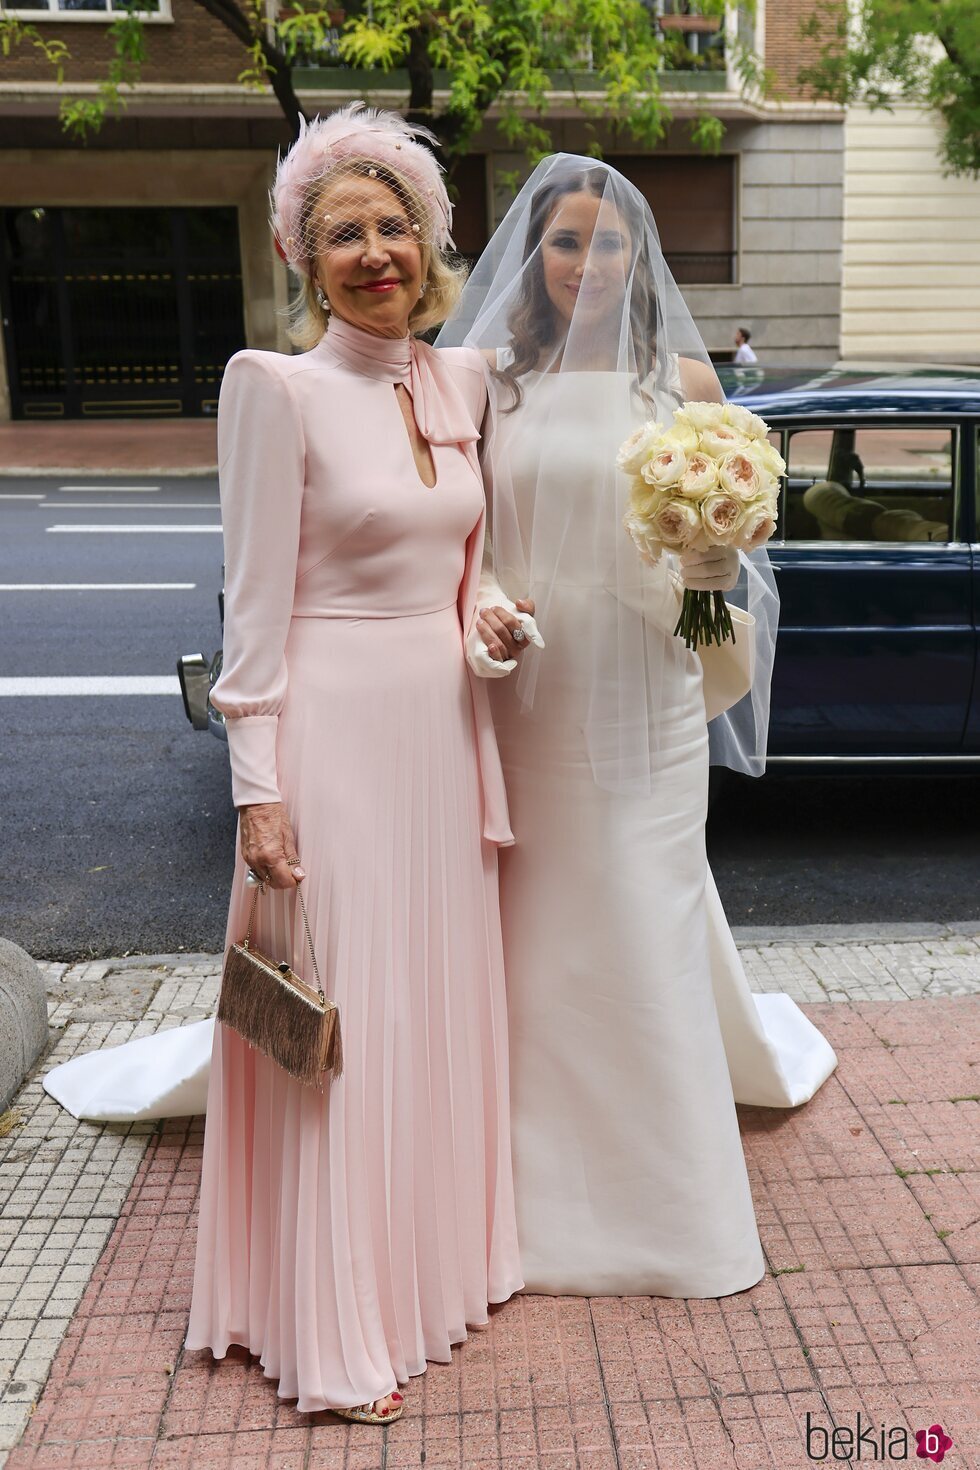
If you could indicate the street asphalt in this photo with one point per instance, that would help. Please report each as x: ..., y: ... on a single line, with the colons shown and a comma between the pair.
x: 117, y: 819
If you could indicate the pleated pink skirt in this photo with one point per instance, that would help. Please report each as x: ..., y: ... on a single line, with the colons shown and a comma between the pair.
x: 348, y: 1235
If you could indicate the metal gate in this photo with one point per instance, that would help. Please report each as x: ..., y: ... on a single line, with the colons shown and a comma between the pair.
x: 119, y: 312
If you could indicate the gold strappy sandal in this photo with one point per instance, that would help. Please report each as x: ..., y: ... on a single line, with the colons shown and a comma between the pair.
x: 365, y: 1414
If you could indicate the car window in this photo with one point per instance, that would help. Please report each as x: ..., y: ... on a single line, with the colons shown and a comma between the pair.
x: 888, y: 483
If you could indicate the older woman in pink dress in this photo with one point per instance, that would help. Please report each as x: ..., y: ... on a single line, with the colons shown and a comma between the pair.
x: 347, y: 1236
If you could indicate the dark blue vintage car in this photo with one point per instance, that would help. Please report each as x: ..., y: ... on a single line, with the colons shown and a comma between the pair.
x: 877, y: 563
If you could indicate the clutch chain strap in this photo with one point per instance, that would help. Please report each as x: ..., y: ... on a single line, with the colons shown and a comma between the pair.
x: 306, y: 926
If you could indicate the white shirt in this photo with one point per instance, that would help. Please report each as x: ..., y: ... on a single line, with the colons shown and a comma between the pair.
x: 745, y: 354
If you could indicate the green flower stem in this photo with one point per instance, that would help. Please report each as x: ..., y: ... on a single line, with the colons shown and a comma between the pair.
x: 704, y: 619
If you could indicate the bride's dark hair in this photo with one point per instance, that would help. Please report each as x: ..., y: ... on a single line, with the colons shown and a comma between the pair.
x: 533, y: 322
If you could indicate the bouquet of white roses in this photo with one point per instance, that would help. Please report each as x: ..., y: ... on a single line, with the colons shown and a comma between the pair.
x: 711, y: 479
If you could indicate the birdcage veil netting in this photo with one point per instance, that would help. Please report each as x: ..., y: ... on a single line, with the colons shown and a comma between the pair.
x: 587, y: 336
x: 323, y: 194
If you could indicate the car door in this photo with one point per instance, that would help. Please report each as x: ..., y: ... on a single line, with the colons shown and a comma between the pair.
x: 876, y: 648
x: 971, y: 482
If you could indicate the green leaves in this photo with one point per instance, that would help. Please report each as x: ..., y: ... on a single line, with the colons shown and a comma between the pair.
x: 14, y: 33
x: 512, y: 55
x: 708, y: 131
x: 81, y: 117
x: 463, y: 58
x: 922, y: 51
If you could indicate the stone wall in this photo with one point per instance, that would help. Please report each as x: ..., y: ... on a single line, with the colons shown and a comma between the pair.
x: 911, y: 262
x: 789, y: 244
x: 787, y: 233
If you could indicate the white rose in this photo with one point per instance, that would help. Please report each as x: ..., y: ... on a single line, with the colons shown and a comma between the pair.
x: 721, y: 517
x: 746, y: 422
x: 741, y: 474
x: 645, y: 499
x: 684, y: 435
x: 769, y: 457
x: 770, y: 489
x: 700, y: 476
x: 665, y: 467
x: 758, y: 525
x: 634, y: 453
x: 701, y: 416
x: 648, y: 546
x: 721, y: 440
x: 677, y: 524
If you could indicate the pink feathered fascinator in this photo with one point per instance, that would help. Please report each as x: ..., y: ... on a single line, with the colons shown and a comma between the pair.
x: 365, y: 135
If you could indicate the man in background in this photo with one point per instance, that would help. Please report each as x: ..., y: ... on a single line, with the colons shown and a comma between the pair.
x: 743, y: 352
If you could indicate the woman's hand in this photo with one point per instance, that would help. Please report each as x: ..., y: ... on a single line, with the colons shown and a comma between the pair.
x: 496, y: 626
x: 268, y: 844
x: 714, y: 570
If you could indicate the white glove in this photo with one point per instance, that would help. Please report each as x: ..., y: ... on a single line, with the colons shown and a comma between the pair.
x: 490, y: 594
x: 714, y: 570
x: 477, y: 653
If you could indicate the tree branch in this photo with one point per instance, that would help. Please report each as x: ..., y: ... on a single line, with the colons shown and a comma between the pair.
x: 279, y: 68
x: 228, y: 13
x: 420, y: 76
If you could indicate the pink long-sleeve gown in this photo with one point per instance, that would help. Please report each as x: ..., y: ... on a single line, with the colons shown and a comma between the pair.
x: 348, y: 1235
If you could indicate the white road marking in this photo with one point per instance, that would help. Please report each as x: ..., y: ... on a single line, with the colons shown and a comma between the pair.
x: 129, y: 505
x: 10, y: 495
x: 123, y: 529
x: 75, y: 684
x: 110, y: 489
x: 97, y: 586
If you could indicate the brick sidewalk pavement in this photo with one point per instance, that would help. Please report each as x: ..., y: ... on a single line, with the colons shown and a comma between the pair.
x: 110, y: 447
x: 868, y: 1202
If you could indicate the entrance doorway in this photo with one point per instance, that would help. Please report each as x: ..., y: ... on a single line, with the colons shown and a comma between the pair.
x: 119, y: 312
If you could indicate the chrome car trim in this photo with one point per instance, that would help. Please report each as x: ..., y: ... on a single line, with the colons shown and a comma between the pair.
x: 873, y: 760
x: 903, y: 546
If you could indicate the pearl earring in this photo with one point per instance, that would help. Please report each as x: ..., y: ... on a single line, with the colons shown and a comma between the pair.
x: 321, y: 299
x: 422, y: 289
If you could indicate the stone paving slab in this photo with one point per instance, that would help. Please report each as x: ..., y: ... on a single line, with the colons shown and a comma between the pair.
x: 868, y: 1202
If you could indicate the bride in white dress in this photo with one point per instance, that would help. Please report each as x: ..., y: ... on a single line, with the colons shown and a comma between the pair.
x: 630, y: 1016
x: 633, y: 1031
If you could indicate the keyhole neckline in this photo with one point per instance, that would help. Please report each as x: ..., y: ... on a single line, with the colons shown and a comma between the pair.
x: 418, y: 447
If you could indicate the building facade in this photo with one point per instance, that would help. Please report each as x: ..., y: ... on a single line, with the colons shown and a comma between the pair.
x: 133, y: 266
x: 911, y: 243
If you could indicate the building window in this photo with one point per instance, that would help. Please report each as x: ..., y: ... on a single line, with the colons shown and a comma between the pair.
x: 97, y: 10
x: 693, y: 202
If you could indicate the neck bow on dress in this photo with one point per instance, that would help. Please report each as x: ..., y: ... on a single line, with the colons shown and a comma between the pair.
x: 441, y: 412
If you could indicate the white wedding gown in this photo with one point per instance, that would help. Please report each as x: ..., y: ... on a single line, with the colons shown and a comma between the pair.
x: 632, y: 1027
x: 633, y: 1030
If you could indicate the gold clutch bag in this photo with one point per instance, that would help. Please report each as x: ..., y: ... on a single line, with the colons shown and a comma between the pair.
x: 275, y: 1010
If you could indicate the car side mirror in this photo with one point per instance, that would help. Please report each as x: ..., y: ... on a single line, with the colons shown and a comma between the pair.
x: 193, y: 673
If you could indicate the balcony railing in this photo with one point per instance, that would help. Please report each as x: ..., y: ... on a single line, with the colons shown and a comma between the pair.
x: 696, y: 48
x: 313, y: 75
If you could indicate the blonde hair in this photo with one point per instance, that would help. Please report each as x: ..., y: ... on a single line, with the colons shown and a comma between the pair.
x: 443, y: 275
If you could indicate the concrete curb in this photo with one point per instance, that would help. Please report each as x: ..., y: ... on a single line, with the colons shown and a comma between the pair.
x: 746, y: 934
x: 23, y: 1017
x: 115, y: 472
